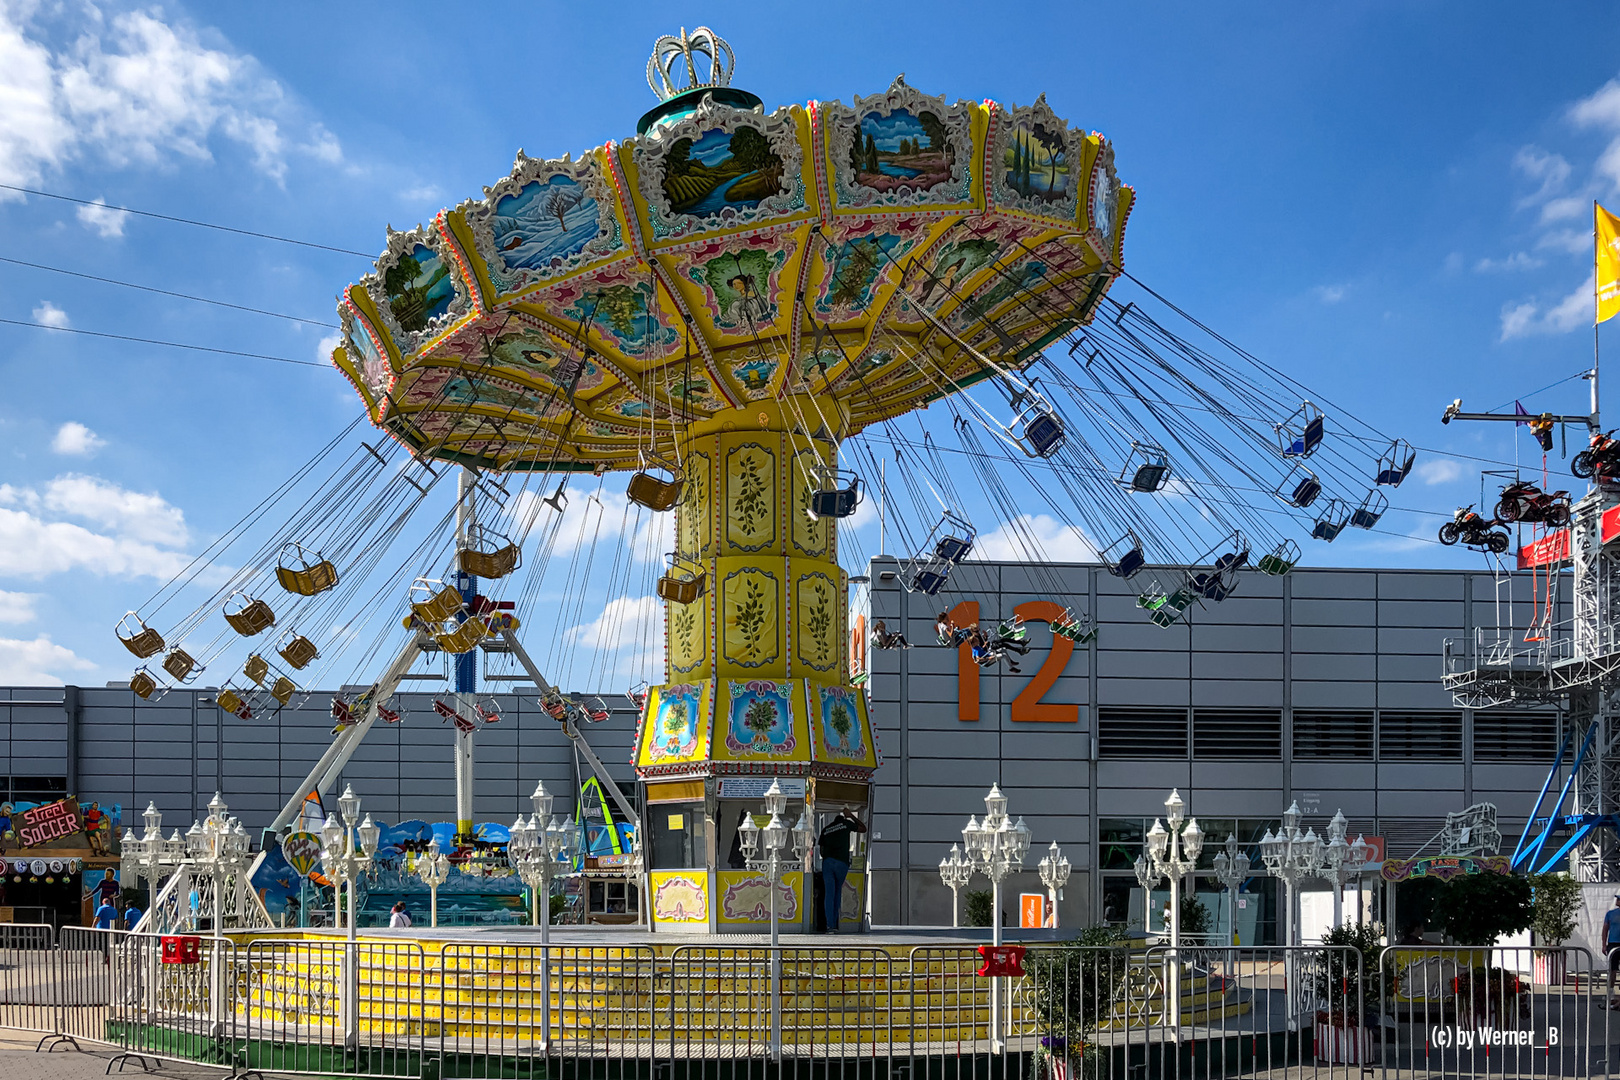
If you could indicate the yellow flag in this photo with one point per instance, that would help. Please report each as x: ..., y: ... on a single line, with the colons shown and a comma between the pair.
x: 1606, y: 260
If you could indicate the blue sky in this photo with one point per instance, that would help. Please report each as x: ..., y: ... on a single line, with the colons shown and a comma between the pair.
x: 1391, y: 201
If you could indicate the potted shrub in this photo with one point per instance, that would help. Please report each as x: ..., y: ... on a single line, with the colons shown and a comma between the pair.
x: 1069, y: 991
x: 1347, y: 1028
x: 1554, y: 900
x: 1493, y: 997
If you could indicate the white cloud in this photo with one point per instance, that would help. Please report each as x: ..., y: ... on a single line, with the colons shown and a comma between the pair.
x: 1527, y: 318
x: 324, y: 348
x: 137, y: 90
x: 142, y: 530
x: 1602, y: 110
x: 1330, y: 294
x: 76, y: 440
x: 17, y: 607
x: 37, y: 662
x: 628, y: 636
x: 1550, y: 171
x: 48, y: 314
x: 1574, y: 241
x: 1519, y: 260
x: 588, y: 518
x: 104, y: 219
x: 422, y: 193
x: 1564, y: 208
x: 1438, y: 471
x: 1034, y: 537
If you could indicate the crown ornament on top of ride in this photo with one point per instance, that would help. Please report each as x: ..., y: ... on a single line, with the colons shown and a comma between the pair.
x: 663, y: 69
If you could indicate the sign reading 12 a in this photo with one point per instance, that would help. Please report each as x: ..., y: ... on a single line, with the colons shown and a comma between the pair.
x: 1027, y: 707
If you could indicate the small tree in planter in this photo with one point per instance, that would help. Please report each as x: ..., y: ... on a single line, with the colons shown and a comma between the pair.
x: 1491, y: 996
x: 980, y: 904
x: 1071, y: 990
x: 1346, y: 1028
x: 1554, y: 900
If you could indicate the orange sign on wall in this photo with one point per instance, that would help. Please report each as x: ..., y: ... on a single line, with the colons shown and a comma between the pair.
x: 1032, y: 914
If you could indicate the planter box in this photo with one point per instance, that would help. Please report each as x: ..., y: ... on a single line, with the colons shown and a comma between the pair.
x: 1346, y: 1045
x: 1549, y: 968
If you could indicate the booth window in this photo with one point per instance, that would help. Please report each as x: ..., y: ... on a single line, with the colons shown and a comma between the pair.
x: 677, y: 836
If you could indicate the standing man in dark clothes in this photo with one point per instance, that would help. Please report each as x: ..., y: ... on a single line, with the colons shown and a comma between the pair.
x: 835, y: 861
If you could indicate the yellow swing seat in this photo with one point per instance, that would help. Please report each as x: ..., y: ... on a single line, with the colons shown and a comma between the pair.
x: 230, y: 700
x: 254, y: 617
x: 299, y: 575
x: 282, y: 689
x: 491, y: 564
x: 298, y: 651
x: 256, y: 668
x: 143, y: 684
x: 139, y: 638
x: 439, y: 606
x: 463, y: 638
x: 180, y: 665
x: 659, y: 495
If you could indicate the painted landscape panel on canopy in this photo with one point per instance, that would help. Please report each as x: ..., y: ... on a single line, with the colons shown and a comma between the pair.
x: 902, y: 150
x: 545, y: 223
x: 420, y: 287
x: 761, y: 721
x: 621, y: 309
x: 843, y: 734
x: 854, y: 266
x: 529, y: 353
x: 741, y: 284
x: 703, y: 176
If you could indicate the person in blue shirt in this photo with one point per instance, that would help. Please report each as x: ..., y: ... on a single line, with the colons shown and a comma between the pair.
x: 132, y: 915
x: 106, y: 914
x: 1611, y: 945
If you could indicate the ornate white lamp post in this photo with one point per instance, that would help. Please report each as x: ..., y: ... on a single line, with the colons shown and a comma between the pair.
x: 433, y: 867
x: 1054, y: 868
x: 219, y: 847
x: 1293, y: 856
x: 996, y: 847
x: 346, y: 850
x: 146, y: 856
x: 538, y: 850
x: 955, y: 871
x: 1344, y: 861
x: 1231, y: 870
x: 1172, y: 854
x: 766, y: 850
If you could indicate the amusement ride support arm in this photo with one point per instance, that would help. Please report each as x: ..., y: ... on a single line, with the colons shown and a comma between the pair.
x: 574, y: 733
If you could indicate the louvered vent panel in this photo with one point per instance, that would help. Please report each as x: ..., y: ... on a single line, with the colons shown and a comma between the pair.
x: 1328, y: 734
x: 1420, y: 736
x: 1142, y: 733
x: 1237, y: 734
x: 1516, y: 736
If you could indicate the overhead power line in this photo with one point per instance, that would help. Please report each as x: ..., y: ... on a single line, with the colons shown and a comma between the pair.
x: 166, y: 344
x: 186, y: 221
x: 166, y: 292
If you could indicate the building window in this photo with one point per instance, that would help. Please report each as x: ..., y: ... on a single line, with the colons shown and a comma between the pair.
x: 677, y: 836
x: 1420, y: 736
x: 1237, y: 734
x: 1322, y: 734
x: 1516, y: 736
x: 1142, y: 733
x: 33, y: 789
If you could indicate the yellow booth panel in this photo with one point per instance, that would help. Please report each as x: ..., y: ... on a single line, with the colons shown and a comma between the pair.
x: 677, y: 729
x: 850, y: 907
x: 684, y: 791
x: 843, y: 730
x: 761, y: 720
x: 679, y: 896
x: 744, y: 897
x: 841, y: 791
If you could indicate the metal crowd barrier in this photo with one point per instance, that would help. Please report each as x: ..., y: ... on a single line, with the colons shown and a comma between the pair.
x: 381, y: 1008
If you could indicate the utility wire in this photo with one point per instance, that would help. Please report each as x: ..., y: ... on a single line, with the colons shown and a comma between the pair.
x: 169, y: 344
x: 185, y: 221
x: 166, y: 292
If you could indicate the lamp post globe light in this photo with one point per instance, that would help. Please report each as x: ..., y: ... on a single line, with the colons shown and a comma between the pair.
x: 1345, y: 861
x: 1231, y: 870
x: 1172, y: 853
x: 765, y: 851
x: 996, y: 848
x: 146, y: 856
x: 1054, y: 868
x: 433, y: 868
x: 956, y: 870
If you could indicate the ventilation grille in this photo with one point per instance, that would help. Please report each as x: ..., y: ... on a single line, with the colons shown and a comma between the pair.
x: 1142, y: 733
x: 1344, y: 735
x: 1404, y: 836
x: 1508, y: 736
x: 1247, y: 734
x: 1420, y: 736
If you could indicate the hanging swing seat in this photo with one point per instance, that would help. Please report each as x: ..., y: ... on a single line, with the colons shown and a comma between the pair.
x: 1124, y: 557
x: 387, y: 716
x: 1079, y: 629
x: 297, y: 650
x: 489, y: 555
x: 282, y: 689
x: 462, y: 637
x: 556, y: 705
x: 638, y: 694
x: 1036, y: 428
x: 1221, y: 580
x: 1395, y: 464
x: 1164, y: 608
x: 302, y: 575
x: 142, y: 684
x: 489, y: 713
x: 1331, y: 522
x: 1300, y: 434
x: 595, y: 710
x: 837, y: 494
x: 434, y: 605
x: 1371, y: 509
x: 1146, y: 470
x: 256, y: 668
x: 926, y: 576
x: 1299, y: 487
x: 342, y: 712
x: 955, y: 538
x: 659, y: 495
x: 139, y: 638
x: 251, y: 617
x: 232, y: 702
x: 1279, y: 560
x: 180, y: 665
x: 683, y: 582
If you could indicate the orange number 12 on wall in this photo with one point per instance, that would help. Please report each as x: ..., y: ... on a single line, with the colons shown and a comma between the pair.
x: 1027, y: 707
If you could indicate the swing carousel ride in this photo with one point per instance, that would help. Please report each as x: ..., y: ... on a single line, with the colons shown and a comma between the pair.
x: 766, y: 319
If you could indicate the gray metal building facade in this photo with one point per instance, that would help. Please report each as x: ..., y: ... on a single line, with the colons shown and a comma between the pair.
x: 1321, y: 686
